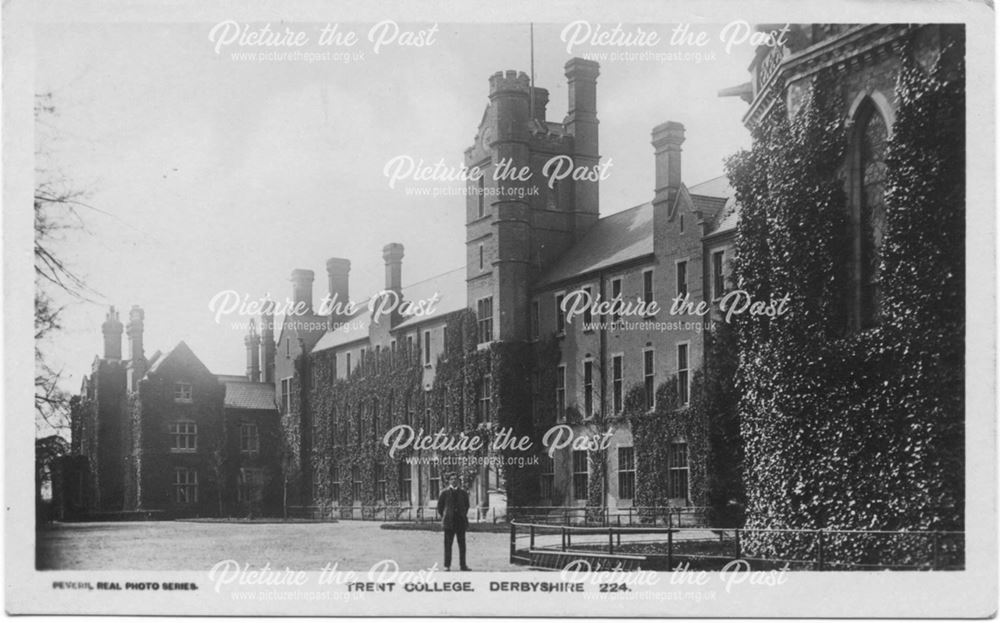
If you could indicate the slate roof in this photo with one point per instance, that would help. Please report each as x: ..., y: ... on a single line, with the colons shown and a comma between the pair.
x: 612, y: 240
x: 247, y: 395
x: 628, y: 235
x: 450, y: 288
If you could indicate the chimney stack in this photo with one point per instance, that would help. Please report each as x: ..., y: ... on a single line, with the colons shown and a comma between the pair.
x: 581, y: 122
x: 392, y: 253
x: 302, y: 292
x: 667, y: 140
x: 267, y: 345
x: 137, y: 358
x: 252, y: 341
x: 337, y: 271
x: 112, y: 329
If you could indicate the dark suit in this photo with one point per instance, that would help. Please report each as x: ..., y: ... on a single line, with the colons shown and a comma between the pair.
x: 453, y: 508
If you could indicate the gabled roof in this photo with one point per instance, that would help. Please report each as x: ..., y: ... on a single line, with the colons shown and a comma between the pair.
x: 181, y: 351
x: 612, y: 240
x: 247, y: 395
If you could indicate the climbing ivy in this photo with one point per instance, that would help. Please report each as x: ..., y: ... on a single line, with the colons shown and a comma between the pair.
x: 853, y: 429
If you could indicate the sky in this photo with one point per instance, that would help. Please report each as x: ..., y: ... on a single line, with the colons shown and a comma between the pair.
x: 209, y: 172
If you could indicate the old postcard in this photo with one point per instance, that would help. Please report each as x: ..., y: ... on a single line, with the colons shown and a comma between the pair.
x: 659, y: 309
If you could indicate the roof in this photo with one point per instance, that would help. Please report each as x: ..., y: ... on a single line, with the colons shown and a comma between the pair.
x: 715, y: 187
x: 232, y: 378
x: 448, y: 288
x: 247, y: 395
x: 612, y: 240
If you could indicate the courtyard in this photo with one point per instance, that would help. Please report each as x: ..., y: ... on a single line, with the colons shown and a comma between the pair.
x: 187, y: 546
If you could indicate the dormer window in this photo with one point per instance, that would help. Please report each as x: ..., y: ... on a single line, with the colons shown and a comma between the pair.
x: 182, y: 392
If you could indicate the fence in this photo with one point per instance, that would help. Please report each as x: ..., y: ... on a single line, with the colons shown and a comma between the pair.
x: 679, y: 517
x: 662, y: 548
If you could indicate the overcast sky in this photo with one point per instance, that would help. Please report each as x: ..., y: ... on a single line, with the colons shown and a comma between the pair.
x: 217, y: 174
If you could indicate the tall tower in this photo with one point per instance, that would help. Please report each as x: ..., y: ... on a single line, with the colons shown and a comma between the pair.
x: 515, y: 227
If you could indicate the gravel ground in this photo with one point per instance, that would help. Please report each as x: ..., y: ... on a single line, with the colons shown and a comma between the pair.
x: 187, y: 546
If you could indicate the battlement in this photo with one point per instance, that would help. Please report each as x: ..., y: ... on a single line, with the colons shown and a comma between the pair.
x: 509, y: 81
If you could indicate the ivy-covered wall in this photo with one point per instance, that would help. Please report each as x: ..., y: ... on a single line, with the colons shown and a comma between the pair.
x: 349, y: 417
x: 844, y: 427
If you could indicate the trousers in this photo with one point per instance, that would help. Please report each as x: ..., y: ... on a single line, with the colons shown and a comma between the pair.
x: 449, y: 536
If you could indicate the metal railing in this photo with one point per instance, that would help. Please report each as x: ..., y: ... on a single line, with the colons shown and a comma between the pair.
x: 662, y: 548
x: 679, y: 517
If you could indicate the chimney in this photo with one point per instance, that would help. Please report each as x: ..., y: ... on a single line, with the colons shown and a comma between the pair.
x: 252, y: 341
x: 137, y: 358
x: 541, y: 101
x: 667, y: 140
x: 337, y: 271
x: 267, y: 345
x: 112, y: 329
x: 392, y: 253
x: 302, y: 290
x: 581, y: 122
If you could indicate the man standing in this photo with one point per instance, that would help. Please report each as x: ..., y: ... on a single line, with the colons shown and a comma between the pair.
x: 453, y: 508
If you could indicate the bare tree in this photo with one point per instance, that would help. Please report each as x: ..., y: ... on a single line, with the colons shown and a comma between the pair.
x: 56, y: 207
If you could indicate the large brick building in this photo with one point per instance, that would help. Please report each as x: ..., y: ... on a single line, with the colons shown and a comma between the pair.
x: 498, y: 350
x: 164, y: 434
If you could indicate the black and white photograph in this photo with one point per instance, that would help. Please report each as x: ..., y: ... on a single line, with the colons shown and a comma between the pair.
x: 569, y: 311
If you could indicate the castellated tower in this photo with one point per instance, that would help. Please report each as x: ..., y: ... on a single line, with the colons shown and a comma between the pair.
x: 516, y: 227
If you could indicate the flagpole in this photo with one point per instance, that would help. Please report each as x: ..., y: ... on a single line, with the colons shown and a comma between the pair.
x: 531, y: 93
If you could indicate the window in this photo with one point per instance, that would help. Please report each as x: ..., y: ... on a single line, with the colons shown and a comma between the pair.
x: 626, y: 473
x: 547, y: 477
x: 481, y: 197
x: 410, y: 419
x: 380, y: 482
x: 683, y: 375
x: 182, y: 392
x: 481, y: 259
x: 484, y: 311
x: 535, y: 321
x: 347, y: 368
x: 286, y: 393
x: 183, y: 437
x: 249, y: 438
x: 580, y: 474
x: 682, y: 278
x: 588, y: 315
x: 677, y: 471
x: 250, y: 486
x: 561, y: 392
x: 435, y: 481
x: 588, y: 388
x: 185, y: 485
x: 682, y: 223
x: 647, y: 286
x: 872, y: 173
x: 648, y: 377
x: 405, y: 480
x: 358, y: 419
x: 376, y: 428
x: 335, y: 482
x: 616, y: 299
x: 356, y: 483
x: 427, y: 348
x: 718, y: 277
x: 560, y: 315
x: 484, y: 399
x: 378, y: 356
x: 617, y: 380
x: 288, y: 347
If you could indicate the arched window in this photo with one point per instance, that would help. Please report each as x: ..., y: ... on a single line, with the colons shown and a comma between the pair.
x: 871, y: 138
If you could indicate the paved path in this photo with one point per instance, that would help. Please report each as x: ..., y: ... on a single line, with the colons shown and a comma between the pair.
x: 185, y: 546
